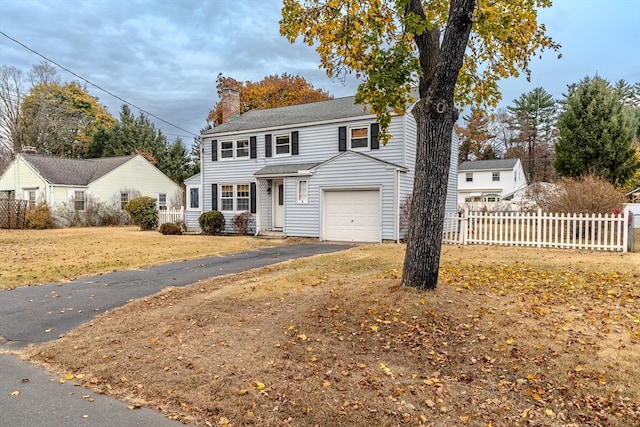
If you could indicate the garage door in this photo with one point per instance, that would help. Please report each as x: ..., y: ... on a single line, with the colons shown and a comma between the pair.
x: 352, y: 216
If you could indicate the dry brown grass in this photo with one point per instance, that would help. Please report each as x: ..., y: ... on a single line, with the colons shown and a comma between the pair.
x: 510, y: 337
x: 30, y: 257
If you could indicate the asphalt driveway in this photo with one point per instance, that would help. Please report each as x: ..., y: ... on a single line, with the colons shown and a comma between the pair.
x: 37, y: 314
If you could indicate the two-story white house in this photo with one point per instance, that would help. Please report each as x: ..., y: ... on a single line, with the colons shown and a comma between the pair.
x: 489, y: 180
x: 310, y: 170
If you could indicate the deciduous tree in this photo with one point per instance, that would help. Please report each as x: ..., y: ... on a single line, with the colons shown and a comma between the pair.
x: 270, y: 92
x: 394, y: 45
x: 596, y: 134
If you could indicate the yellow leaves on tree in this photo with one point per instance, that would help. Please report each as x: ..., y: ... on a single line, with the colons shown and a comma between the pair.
x: 272, y: 91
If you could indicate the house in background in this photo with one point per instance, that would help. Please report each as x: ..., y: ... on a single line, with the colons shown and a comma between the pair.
x: 489, y: 180
x: 310, y: 170
x: 76, y: 182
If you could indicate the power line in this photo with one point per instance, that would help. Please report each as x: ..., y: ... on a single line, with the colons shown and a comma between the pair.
x: 95, y: 85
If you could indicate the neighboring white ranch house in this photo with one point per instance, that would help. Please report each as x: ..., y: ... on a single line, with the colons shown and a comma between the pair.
x: 311, y: 170
x: 75, y: 182
x: 489, y: 180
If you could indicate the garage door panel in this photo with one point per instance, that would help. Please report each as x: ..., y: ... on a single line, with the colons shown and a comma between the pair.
x: 352, y: 215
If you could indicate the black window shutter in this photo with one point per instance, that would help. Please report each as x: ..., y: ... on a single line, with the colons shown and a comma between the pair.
x: 294, y: 143
x: 252, y: 192
x: 375, y: 145
x: 214, y: 150
x: 253, y: 149
x: 214, y: 197
x: 267, y: 145
x: 342, y: 138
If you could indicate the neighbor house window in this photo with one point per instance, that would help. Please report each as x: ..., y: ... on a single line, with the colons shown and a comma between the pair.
x: 242, y: 197
x: 359, y: 138
x: 226, y: 197
x: 495, y: 176
x: 32, y: 199
x: 124, y: 199
x: 469, y: 176
x: 162, y: 201
x: 79, y: 200
x: 303, y: 191
x: 194, y: 198
x: 283, y: 145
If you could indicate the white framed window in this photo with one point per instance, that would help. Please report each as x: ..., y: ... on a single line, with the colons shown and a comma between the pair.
x: 242, y: 197
x: 79, y: 200
x: 359, y: 138
x: 283, y: 145
x: 242, y: 148
x: 469, y: 176
x: 32, y: 196
x: 193, y: 198
x: 226, y: 150
x: 226, y: 197
x: 162, y: 201
x: 124, y: 199
x: 495, y: 176
x: 302, y: 191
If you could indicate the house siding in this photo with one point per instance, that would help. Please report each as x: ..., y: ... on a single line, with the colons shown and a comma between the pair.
x: 19, y: 176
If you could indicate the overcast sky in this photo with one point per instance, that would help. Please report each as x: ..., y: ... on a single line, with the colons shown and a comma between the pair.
x: 164, y: 55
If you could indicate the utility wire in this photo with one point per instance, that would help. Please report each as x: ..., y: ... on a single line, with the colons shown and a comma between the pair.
x: 95, y: 85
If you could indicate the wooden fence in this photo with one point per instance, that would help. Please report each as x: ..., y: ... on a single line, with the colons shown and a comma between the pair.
x: 173, y: 216
x: 609, y: 232
x: 13, y: 213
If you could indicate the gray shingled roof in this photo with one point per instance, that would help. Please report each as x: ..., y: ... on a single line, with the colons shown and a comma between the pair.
x: 487, y: 165
x: 61, y: 171
x: 285, y: 169
x: 332, y: 109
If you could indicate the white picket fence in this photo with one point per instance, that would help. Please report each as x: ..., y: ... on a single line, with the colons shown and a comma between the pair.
x: 608, y: 232
x: 170, y: 216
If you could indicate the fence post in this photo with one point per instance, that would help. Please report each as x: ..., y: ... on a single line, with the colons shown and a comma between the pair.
x: 539, y: 228
x: 464, y: 226
x: 627, y: 243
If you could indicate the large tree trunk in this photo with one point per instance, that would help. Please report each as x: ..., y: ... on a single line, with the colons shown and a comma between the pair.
x: 435, y: 114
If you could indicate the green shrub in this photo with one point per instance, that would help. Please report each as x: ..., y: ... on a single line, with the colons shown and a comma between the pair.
x: 170, y: 228
x: 212, y: 223
x: 143, y: 212
x: 39, y: 218
x: 241, y: 223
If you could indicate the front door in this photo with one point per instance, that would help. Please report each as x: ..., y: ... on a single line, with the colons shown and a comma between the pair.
x: 278, y: 204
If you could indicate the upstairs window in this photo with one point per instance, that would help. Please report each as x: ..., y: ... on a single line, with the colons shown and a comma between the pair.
x: 495, y: 176
x: 226, y: 150
x: 469, y: 177
x: 242, y: 148
x: 359, y: 138
x: 283, y: 145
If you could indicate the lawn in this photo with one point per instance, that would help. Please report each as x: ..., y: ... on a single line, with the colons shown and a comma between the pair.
x: 30, y: 257
x: 511, y: 336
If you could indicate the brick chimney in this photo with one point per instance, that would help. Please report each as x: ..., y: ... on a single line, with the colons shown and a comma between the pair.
x: 230, y: 101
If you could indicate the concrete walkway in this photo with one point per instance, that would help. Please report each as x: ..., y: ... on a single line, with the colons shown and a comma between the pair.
x: 37, y: 314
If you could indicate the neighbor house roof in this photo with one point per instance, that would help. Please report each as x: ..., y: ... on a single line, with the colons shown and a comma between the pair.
x: 487, y: 165
x: 62, y: 171
x: 313, y: 112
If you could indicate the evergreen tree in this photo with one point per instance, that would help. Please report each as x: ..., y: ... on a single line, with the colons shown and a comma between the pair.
x: 596, y: 134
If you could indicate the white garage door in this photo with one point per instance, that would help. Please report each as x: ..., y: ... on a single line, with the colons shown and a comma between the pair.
x: 352, y: 216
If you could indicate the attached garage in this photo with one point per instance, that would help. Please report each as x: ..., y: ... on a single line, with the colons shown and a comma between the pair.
x: 352, y: 215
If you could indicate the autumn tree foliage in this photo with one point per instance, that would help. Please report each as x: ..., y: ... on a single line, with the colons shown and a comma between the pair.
x: 60, y: 119
x: 476, y: 139
x: 270, y: 92
x: 453, y: 51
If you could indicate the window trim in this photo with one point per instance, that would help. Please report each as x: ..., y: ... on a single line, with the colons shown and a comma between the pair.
x: 275, y: 145
x: 495, y: 176
x: 224, y: 197
x: 302, y: 191
x: 469, y: 177
x: 162, y: 206
x: 234, y: 149
x: 350, y: 138
x: 234, y: 198
x: 76, y: 200
x: 124, y: 193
